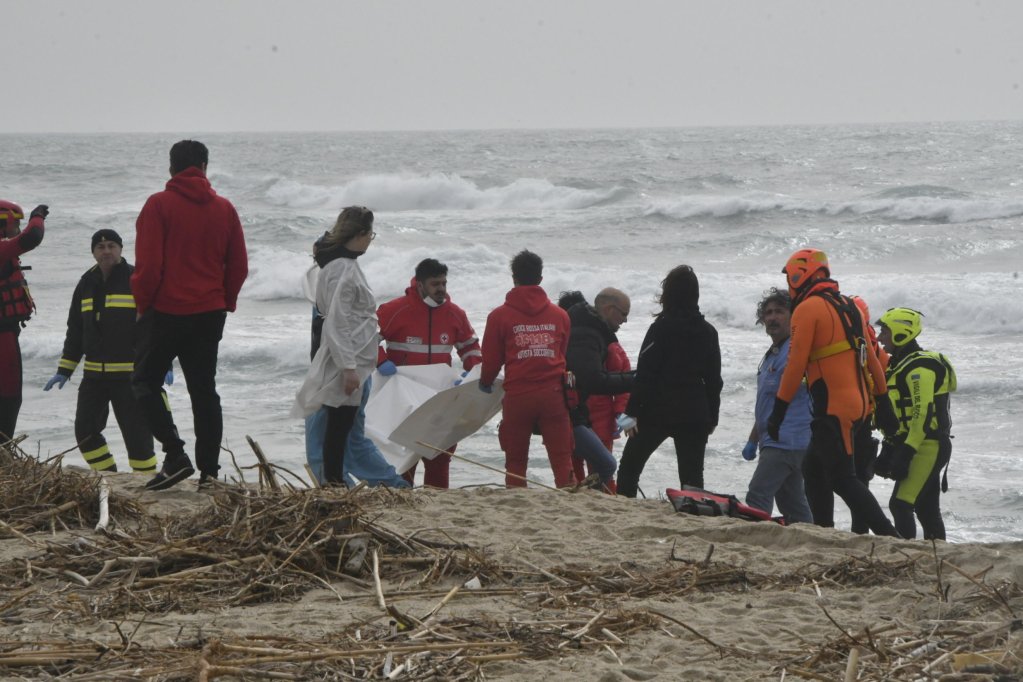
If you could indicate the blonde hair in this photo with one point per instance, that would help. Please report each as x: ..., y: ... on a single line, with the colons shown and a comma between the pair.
x: 353, y: 221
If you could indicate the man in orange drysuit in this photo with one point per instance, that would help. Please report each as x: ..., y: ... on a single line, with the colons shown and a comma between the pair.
x: 829, y: 347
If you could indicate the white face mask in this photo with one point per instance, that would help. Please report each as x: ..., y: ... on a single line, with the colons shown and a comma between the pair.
x: 430, y: 302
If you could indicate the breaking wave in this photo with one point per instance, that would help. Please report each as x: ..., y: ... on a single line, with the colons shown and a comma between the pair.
x: 436, y: 191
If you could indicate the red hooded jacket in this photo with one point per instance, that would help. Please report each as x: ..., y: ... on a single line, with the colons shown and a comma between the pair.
x: 420, y: 334
x: 189, y: 249
x: 528, y: 335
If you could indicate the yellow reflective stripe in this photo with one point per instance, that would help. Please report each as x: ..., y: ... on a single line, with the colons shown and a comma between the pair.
x: 120, y: 301
x: 99, y: 459
x: 67, y: 364
x: 86, y: 305
x: 91, y: 366
x: 828, y: 351
x: 143, y: 465
x: 166, y: 400
x: 119, y: 366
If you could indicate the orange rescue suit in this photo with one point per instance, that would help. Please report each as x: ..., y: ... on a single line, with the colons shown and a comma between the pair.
x: 836, y: 382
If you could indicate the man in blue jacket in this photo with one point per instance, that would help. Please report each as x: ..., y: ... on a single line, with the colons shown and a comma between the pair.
x: 779, y: 475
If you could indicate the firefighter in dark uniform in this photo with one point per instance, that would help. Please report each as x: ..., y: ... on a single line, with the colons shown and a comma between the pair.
x: 101, y: 326
x: 15, y: 305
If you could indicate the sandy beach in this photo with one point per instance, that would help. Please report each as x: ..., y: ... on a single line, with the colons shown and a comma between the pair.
x: 479, y: 583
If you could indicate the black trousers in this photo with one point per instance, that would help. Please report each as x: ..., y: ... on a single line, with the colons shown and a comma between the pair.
x: 690, y: 447
x: 864, y: 455
x: 95, y: 398
x: 829, y: 470
x: 10, y: 381
x: 339, y: 424
x: 195, y: 341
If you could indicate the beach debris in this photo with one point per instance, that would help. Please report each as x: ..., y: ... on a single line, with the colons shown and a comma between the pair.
x: 246, y: 545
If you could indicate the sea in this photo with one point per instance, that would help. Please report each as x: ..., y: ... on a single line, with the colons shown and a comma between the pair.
x: 928, y: 216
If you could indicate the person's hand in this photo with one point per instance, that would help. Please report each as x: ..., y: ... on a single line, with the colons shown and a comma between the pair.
x: 387, y: 368
x: 627, y: 425
x: 40, y: 211
x: 57, y: 380
x: 460, y: 379
x: 351, y: 381
x: 776, y: 418
x: 485, y: 389
x: 749, y: 453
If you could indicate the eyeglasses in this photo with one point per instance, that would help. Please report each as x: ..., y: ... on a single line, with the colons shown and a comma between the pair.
x: 372, y: 236
x: 623, y: 313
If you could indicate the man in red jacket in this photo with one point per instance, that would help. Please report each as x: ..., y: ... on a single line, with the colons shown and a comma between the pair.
x: 190, y: 263
x: 528, y: 335
x: 422, y: 328
x: 15, y: 305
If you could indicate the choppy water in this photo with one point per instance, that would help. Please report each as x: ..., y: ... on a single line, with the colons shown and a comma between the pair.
x: 927, y: 216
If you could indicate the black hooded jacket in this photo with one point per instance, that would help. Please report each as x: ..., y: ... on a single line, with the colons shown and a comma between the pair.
x: 678, y: 375
x: 585, y: 358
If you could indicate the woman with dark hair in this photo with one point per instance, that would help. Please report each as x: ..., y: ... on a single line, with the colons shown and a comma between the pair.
x: 347, y: 354
x: 677, y: 393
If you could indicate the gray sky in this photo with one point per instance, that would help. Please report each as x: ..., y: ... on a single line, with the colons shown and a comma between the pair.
x: 244, y: 65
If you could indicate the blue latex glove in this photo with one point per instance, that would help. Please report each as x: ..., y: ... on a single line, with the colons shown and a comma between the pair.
x: 57, y: 380
x: 749, y: 453
x: 625, y: 422
x: 169, y: 377
x: 486, y: 389
x: 387, y: 368
x: 460, y: 379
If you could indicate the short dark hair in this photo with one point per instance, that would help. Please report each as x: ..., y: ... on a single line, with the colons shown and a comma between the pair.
x: 527, y: 268
x: 567, y: 299
x: 428, y: 268
x: 773, y: 295
x: 188, y: 153
x: 680, y: 290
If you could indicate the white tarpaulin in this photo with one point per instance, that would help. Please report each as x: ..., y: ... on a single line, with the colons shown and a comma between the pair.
x: 420, y: 403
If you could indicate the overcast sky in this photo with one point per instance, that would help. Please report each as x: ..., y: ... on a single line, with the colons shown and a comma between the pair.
x: 245, y: 65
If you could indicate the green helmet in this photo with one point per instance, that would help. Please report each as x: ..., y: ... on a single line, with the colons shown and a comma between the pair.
x: 904, y: 324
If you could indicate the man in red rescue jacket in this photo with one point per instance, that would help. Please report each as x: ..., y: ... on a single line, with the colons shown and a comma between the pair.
x: 422, y: 328
x: 190, y: 263
x: 528, y: 335
x: 15, y: 305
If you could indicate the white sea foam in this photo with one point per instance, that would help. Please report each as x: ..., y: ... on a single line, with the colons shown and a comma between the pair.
x: 914, y: 208
x: 436, y: 191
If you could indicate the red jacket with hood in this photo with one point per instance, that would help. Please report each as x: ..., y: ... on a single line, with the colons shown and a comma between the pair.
x: 418, y: 333
x: 189, y: 249
x: 528, y: 335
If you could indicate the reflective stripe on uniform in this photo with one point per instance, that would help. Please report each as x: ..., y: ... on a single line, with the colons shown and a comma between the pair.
x: 99, y: 459
x: 67, y: 364
x: 86, y: 305
x: 104, y: 367
x: 420, y: 347
x: 468, y: 342
x: 143, y: 465
x: 120, y: 301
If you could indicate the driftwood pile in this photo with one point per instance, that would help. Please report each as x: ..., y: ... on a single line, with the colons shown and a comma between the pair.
x: 273, y: 544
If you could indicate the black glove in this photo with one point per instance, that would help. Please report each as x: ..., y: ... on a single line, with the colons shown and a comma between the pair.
x: 884, y: 416
x: 776, y: 418
x: 901, y: 458
x: 883, y: 463
x: 40, y: 211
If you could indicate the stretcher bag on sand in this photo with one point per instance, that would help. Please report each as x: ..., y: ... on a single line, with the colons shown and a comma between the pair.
x: 701, y: 502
